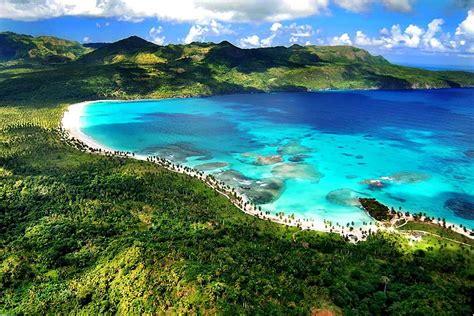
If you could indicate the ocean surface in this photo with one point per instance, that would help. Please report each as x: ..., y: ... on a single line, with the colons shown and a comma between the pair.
x: 313, y: 154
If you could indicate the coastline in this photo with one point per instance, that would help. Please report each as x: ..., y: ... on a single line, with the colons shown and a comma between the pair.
x: 71, y: 124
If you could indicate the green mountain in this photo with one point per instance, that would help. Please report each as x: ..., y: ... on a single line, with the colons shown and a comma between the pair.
x: 44, y: 49
x: 136, y: 68
x: 118, y: 51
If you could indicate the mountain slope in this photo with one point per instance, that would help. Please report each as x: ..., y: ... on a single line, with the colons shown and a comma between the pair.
x: 135, y: 68
x: 45, y: 49
x: 118, y: 51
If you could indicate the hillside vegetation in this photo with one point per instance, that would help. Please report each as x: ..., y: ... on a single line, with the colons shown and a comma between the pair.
x: 135, y: 68
x: 17, y: 48
x: 88, y: 234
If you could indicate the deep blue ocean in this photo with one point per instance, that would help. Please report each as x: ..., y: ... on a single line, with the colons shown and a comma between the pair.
x: 313, y: 154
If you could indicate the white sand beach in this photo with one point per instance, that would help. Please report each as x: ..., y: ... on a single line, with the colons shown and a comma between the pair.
x: 71, y: 122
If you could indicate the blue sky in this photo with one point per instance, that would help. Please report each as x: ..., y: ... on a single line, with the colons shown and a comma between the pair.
x: 418, y: 32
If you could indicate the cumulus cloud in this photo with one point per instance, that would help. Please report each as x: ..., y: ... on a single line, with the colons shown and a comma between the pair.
x: 465, y: 33
x: 195, y: 11
x: 155, y: 35
x: 276, y: 26
x: 199, y: 32
x: 344, y: 39
x: 430, y: 40
x: 433, y: 28
x: 304, y: 30
x: 466, y: 27
x: 413, y: 37
x: 366, y: 5
x: 86, y: 39
x: 250, y: 41
x: 361, y: 39
x: 293, y: 33
x: 268, y: 41
x: 198, y: 11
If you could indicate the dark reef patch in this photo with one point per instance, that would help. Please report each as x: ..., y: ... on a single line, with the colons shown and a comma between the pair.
x: 469, y: 153
x: 258, y: 191
x: 344, y: 196
x: 178, y: 153
x: 297, y: 158
x: 211, y: 166
x: 462, y: 205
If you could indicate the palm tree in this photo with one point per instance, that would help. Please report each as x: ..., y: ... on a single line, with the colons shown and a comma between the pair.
x: 385, y: 281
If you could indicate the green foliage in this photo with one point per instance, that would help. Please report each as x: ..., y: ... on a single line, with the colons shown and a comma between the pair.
x: 44, y: 49
x: 90, y: 234
x: 376, y: 209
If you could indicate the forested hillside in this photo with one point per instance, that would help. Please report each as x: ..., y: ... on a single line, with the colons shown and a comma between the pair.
x: 135, y: 68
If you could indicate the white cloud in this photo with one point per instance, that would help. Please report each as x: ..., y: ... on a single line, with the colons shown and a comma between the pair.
x: 413, y: 37
x: 131, y: 19
x: 436, y: 45
x: 413, y: 33
x: 433, y: 28
x: 304, y: 30
x: 195, y: 34
x: 86, y: 39
x: 294, y: 33
x: 431, y: 40
x: 344, y: 39
x: 366, y: 5
x: 466, y: 27
x: 199, y: 32
x: 268, y: 41
x: 362, y: 39
x: 155, y: 35
x: 98, y: 25
x: 197, y: 11
x: 250, y: 41
x: 276, y: 26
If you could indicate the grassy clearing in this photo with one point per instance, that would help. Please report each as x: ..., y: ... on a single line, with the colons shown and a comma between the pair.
x: 437, y: 230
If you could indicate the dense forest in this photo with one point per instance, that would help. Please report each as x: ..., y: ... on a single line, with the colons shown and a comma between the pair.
x: 90, y: 234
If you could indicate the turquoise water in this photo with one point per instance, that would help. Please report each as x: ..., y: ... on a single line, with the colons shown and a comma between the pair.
x: 313, y: 154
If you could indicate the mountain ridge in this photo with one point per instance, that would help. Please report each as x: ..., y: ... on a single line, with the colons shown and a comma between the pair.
x: 134, y: 68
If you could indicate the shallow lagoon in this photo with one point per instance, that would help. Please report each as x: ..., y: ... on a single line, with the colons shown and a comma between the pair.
x: 313, y: 154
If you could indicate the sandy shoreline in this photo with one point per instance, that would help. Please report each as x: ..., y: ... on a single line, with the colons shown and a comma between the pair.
x: 71, y: 123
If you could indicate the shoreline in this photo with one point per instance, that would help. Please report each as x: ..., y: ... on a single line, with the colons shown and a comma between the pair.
x: 71, y: 124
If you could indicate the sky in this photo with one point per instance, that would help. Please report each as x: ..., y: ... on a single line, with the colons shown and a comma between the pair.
x: 431, y: 33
